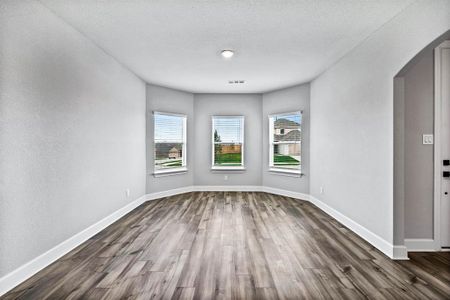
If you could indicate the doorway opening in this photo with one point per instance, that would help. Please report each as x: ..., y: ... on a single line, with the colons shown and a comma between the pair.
x: 421, y: 148
x: 442, y: 146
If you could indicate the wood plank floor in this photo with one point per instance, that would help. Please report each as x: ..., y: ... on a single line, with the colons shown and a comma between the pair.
x: 234, y: 245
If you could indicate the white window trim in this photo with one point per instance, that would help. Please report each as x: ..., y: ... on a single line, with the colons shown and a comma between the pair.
x: 169, y: 172
x: 175, y: 171
x: 276, y: 170
x: 228, y: 168
x: 285, y: 172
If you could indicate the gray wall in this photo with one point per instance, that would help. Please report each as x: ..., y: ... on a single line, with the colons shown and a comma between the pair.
x: 287, y: 100
x: 399, y: 161
x: 168, y: 100
x: 248, y: 105
x: 418, y: 176
x: 352, y: 118
x: 72, y: 133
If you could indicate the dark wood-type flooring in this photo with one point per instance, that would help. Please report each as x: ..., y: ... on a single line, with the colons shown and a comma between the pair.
x: 234, y: 245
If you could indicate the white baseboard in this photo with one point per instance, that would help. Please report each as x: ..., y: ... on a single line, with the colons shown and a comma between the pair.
x: 168, y: 193
x: 400, y: 253
x: 24, y: 272
x: 285, y: 193
x: 11, y: 280
x: 420, y: 245
x: 375, y: 240
x: 227, y: 188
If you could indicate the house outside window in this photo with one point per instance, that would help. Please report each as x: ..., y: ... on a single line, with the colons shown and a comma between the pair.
x: 227, y: 142
x: 285, y: 137
x: 169, y: 142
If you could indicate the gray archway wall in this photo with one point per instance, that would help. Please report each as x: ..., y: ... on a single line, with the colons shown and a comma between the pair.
x: 413, y: 161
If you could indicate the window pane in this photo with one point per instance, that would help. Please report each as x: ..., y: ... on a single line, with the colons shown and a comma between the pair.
x: 287, y: 155
x: 168, y: 128
x: 286, y: 136
x: 228, y: 154
x: 228, y: 129
x: 168, y: 155
x: 169, y: 145
x: 286, y: 128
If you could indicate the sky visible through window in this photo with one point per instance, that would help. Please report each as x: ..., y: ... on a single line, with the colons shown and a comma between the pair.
x: 168, y: 128
x: 296, y: 118
x: 229, y: 129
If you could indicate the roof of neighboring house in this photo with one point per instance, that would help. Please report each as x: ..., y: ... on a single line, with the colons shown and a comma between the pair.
x: 293, y: 135
x: 285, y: 123
x: 174, y: 149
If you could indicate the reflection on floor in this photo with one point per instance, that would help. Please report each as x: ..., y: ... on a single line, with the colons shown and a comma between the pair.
x: 234, y: 245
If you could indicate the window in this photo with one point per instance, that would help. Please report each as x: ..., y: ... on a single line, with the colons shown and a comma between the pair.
x: 169, y: 142
x: 285, y: 142
x: 228, y: 142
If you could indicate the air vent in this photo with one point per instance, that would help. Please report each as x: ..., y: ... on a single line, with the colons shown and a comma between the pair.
x: 236, y: 81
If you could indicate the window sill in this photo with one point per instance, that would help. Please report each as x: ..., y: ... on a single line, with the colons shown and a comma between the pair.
x: 285, y: 172
x: 227, y: 169
x: 177, y: 171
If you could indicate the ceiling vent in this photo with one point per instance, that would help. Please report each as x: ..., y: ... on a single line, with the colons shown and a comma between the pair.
x: 236, y: 81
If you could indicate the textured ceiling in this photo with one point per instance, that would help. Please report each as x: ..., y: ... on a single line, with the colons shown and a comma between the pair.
x: 176, y: 43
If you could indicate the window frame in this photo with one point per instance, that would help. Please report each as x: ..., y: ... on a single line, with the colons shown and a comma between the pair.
x: 213, y: 143
x: 171, y: 171
x: 297, y: 172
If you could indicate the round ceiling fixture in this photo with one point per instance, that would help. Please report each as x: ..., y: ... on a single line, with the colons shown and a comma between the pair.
x: 227, y: 53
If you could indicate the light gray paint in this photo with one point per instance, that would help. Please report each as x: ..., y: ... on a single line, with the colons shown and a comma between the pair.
x: 287, y: 100
x: 352, y: 118
x: 168, y: 100
x: 72, y: 133
x: 418, y: 180
x: 278, y: 43
x: 248, y: 105
x: 399, y: 161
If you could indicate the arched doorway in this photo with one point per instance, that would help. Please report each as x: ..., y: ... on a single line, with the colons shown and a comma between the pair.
x: 417, y: 168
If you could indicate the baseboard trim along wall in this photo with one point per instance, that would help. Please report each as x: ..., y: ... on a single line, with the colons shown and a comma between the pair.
x: 420, y: 245
x: 400, y: 253
x: 285, y: 193
x: 11, y: 280
x: 226, y: 188
x: 375, y: 240
x: 168, y: 193
x: 27, y: 270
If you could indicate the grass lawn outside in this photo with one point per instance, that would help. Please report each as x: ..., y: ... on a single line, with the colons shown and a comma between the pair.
x: 168, y: 164
x: 228, y: 159
x: 173, y: 164
x: 285, y: 160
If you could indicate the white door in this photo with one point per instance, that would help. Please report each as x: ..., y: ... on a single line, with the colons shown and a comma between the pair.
x: 442, y: 56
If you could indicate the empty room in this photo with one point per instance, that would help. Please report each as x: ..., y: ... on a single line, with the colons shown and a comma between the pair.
x: 234, y: 149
